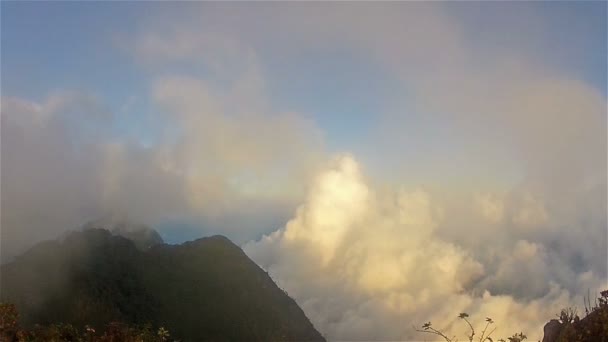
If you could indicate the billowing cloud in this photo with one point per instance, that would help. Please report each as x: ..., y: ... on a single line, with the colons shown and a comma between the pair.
x: 366, y: 264
x: 230, y: 141
x: 490, y: 206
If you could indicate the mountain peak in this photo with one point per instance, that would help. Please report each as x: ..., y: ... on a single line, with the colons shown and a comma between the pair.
x: 142, y: 235
x: 207, y: 289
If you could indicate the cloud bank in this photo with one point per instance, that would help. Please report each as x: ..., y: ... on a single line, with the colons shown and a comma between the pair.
x: 223, y: 153
x: 367, y: 264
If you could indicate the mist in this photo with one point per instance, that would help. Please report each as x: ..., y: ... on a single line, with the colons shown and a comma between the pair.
x: 388, y: 164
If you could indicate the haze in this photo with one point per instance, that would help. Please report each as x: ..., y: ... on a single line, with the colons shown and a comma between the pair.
x: 387, y: 163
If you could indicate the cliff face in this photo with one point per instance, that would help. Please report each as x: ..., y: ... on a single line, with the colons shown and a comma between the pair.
x: 206, y: 289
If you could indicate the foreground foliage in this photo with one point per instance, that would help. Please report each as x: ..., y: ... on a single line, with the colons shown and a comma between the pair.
x: 10, y: 331
x: 485, y: 334
x: 568, y: 328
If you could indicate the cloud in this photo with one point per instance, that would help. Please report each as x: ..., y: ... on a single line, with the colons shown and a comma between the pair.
x: 490, y: 206
x: 486, y: 190
x: 232, y: 145
x: 363, y: 263
x: 474, y: 107
x: 222, y: 152
x: 61, y: 168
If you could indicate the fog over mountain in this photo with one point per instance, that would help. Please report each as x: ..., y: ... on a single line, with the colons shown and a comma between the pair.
x: 202, y: 290
x: 388, y: 164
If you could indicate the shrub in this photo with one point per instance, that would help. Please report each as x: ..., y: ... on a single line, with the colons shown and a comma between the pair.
x: 484, y: 336
x: 114, y: 331
x: 571, y: 328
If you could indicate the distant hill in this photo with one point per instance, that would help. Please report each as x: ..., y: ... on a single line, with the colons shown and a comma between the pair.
x: 202, y: 290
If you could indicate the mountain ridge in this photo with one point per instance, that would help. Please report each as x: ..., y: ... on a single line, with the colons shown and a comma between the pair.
x: 205, y: 289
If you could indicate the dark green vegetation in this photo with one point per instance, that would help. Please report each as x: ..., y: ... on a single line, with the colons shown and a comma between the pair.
x: 202, y: 290
x: 11, y: 331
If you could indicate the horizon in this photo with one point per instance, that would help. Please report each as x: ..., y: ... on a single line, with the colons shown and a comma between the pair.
x: 384, y: 162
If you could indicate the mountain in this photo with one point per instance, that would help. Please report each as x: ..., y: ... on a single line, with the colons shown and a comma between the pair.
x: 202, y: 290
x: 143, y: 236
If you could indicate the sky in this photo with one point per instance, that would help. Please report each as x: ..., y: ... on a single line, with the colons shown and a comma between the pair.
x: 385, y: 162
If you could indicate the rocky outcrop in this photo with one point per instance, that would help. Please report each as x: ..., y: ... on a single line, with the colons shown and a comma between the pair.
x: 552, y: 331
x: 569, y: 328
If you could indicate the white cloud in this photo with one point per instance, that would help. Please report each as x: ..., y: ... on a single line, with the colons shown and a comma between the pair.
x: 226, y: 154
x: 490, y: 206
x: 232, y: 145
x: 530, y: 212
x: 366, y: 265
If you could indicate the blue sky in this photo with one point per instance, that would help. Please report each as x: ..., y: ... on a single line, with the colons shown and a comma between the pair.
x: 65, y: 45
x: 366, y: 84
x: 344, y: 76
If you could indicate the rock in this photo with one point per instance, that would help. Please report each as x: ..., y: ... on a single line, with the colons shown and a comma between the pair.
x: 552, y: 331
